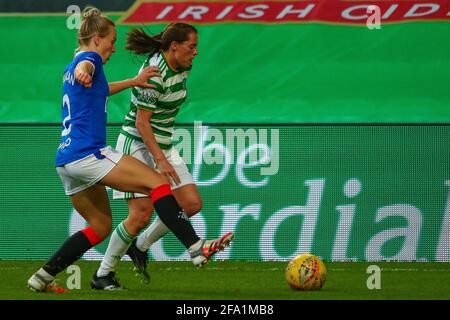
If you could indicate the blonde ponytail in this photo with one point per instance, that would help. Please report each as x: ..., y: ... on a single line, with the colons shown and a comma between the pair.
x: 93, y: 22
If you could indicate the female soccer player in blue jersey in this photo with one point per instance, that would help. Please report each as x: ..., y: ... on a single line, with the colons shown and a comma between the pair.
x: 86, y: 165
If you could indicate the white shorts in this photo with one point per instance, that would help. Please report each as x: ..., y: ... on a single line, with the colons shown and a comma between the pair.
x: 81, y: 174
x: 139, y: 151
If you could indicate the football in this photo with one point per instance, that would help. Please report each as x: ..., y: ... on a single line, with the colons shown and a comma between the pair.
x: 306, y: 272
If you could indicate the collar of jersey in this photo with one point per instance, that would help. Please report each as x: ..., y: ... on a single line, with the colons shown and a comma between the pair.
x: 76, y: 54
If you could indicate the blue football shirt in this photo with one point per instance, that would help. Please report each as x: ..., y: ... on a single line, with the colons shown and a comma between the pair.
x: 83, y: 112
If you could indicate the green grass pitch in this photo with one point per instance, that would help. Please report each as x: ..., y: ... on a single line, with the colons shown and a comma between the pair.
x: 239, y: 280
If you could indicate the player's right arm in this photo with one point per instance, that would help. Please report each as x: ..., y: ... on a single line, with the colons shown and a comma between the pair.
x: 84, y: 72
x: 141, y: 80
x: 146, y: 101
x: 144, y: 127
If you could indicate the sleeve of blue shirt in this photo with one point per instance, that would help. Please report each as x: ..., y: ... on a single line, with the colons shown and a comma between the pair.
x: 92, y: 57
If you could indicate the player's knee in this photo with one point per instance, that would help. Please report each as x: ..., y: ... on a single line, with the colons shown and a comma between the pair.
x: 193, y: 207
x: 160, y: 180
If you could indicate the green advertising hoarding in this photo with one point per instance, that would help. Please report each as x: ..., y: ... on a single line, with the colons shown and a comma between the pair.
x: 342, y: 192
x: 259, y: 73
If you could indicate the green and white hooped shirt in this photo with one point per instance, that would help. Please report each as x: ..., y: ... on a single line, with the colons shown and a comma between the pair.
x: 164, y: 100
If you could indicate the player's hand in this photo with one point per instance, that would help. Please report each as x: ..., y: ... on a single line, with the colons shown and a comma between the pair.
x: 141, y: 79
x: 83, y: 78
x: 166, y: 169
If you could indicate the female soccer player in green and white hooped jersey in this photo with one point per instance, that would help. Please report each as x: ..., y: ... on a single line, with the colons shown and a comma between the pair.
x: 147, y: 135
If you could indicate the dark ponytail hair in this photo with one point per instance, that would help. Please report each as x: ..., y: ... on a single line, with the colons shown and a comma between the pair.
x: 139, y: 42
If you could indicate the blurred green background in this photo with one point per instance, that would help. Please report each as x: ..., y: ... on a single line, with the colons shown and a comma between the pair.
x: 275, y: 73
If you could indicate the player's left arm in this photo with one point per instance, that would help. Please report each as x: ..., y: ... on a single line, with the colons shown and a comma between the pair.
x: 139, y: 81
